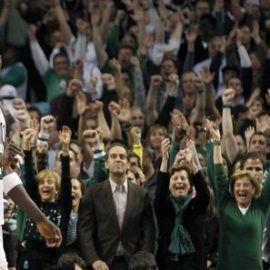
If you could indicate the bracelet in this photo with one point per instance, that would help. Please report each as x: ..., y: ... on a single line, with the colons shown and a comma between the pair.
x: 228, y: 106
x: 217, y: 142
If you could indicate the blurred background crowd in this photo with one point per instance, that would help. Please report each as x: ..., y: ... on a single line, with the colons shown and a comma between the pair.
x: 136, y: 71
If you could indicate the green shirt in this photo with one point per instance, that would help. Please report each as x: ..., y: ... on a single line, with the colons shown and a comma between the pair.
x: 240, y: 236
x: 52, y: 82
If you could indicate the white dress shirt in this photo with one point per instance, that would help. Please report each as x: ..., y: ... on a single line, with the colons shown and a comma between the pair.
x: 120, y: 202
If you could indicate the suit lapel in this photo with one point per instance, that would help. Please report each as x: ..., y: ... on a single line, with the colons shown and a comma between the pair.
x: 130, y: 202
x: 109, y: 202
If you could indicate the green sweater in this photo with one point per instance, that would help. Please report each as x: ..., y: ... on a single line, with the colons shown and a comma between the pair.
x: 240, y: 236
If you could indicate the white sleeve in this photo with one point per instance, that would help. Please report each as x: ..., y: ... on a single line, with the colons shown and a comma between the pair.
x: 10, y: 181
x: 157, y: 53
x: 99, y: 87
x: 54, y: 52
x: 245, y: 61
x: 39, y: 57
x: 80, y: 47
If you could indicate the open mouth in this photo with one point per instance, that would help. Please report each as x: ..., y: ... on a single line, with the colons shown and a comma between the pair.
x: 179, y: 187
x: 242, y: 195
x: 46, y: 192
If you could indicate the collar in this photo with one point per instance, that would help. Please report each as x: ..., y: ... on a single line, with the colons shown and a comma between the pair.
x: 114, y: 185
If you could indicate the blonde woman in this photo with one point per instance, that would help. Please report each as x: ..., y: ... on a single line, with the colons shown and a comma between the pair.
x: 53, y: 196
x: 242, y: 206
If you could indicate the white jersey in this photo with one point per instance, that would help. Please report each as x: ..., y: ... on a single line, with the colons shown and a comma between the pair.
x: 9, y: 181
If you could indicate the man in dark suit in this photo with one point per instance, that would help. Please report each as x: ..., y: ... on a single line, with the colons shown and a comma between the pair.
x: 116, y: 218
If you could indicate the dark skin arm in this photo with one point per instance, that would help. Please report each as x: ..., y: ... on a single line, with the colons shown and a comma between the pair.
x: 18, y: 194
x: 46, y: 228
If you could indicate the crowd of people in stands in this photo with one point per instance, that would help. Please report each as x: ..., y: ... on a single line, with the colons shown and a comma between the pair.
x: 143, y: 132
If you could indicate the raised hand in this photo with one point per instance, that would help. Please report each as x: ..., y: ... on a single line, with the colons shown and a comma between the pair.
x: 156, y: 81
x: 135, y: 134
x: 98, y: 106
x: 81, y: 101
x: 267, y: 97
x: 108, y: 80
x: 228, y: 96
x: 125, y: 113
x: 248, y: 134
x: 114, y: 108
x: 24, y: 117
x: 255, y: 29
x: 12, y: 154
x: 65, y: 137
x: 46, y: 123
x: 165, y: 147
x: 263, y: 124
x: 207, y: 76
x: 42, y: 147
x: 213, y: 131
x: 93, y: 84
x: 173, y: 84
x: 32, y: 31
x: 134, y: 61
x: 115, y: 64
x: 92, y: 137
x: 28, y: 139
x: 100, y: 265
x: 179, y: 123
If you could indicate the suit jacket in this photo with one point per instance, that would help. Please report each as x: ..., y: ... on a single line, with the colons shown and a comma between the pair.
x: 98, y: 230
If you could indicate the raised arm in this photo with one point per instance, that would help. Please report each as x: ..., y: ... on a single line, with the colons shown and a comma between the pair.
x: 199, y: 110
x: 228, y: 138
x: 220, y: 176
x: 163, y: 178
x: 65, y: 198
x: 139, y: 89
x: 94, y: 144
x: 31, y: 185
x: 99, y: 46
x: 151, y: 111
x: 64, y: 27
x: 40, y: 60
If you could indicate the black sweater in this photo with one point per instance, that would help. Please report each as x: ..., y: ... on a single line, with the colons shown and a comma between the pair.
x: 193, y: 221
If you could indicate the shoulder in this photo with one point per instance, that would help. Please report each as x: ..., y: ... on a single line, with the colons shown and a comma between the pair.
x: 98, y: 187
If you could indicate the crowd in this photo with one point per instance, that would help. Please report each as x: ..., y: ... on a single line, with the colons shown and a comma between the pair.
x: 140, y: 129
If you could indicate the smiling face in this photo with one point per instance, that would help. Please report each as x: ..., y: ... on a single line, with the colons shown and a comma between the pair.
x: 243, y: 191
x: 179, y: 184
x: 47, y: 188
x: 76, y: 192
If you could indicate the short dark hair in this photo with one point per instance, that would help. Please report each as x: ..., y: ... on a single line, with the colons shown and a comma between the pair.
x: 182, y: 167
x: 116, y: 143
x: 142, y: 260
x: 252, y: 155
x: 69, y: 259
x: 258, y: 133
x: 60, y: 54
x: 127, y: 47
x: 32, y: 108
